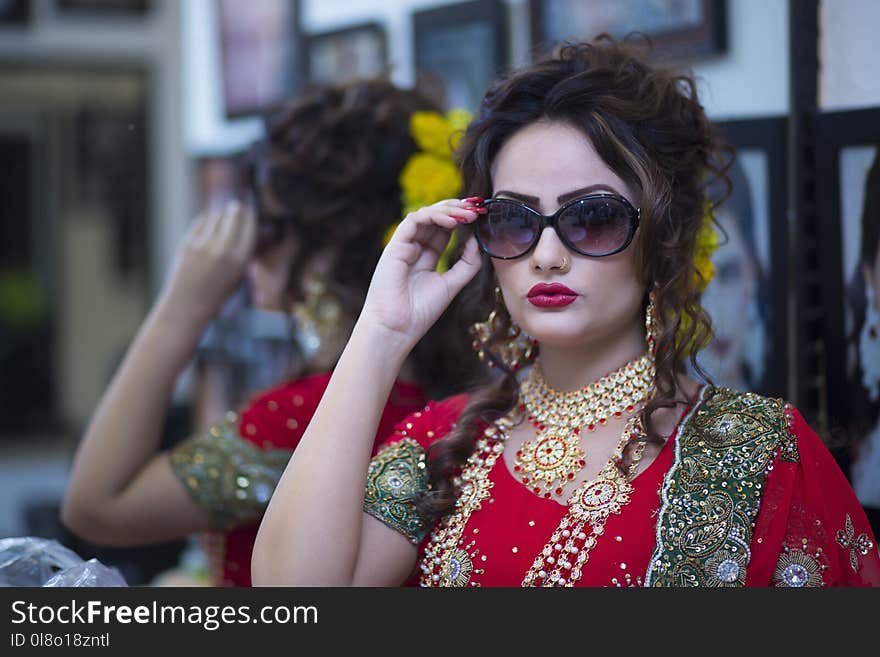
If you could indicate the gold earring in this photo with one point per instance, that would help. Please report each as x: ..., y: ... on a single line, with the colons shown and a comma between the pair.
x: 651, y: 325
x: 514, y: 350
x: 322, y: 329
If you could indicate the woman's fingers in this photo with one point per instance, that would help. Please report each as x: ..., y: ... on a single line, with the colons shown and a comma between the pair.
x: 238, y: 231
x: 465, y: 268
x: 207, y: 227
x: 247, y: 235
x: 228, y: 228
x: 416, y: 227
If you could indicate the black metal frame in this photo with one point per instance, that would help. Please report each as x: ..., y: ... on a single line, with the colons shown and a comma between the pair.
x: 807, y: 384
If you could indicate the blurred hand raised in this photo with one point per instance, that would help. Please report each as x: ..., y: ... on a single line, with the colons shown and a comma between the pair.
x: 211, y: 261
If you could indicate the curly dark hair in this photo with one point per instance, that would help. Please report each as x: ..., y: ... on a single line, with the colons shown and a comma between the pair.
x: 648, y: 126
x: 327, y: 173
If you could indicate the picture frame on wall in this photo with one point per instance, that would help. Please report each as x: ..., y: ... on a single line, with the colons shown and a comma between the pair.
x: 848, y: 184
x: 678, y: 29
x: 261, y: 54
x: 747, y: 298
x: 337, y: 56
x: 103, y: 8
x: 459, y: 50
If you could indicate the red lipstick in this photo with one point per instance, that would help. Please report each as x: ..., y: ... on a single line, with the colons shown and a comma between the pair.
x: 551, y: 295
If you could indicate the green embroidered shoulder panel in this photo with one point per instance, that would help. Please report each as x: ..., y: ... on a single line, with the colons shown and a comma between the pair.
x: 229, y: 476
x: 396, y: 475
x: 712, y: 493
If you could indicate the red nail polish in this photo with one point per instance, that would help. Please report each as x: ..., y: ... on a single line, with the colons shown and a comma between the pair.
x: 474, y: 199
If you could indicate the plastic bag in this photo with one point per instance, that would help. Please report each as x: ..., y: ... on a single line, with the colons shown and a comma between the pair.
x: 32, y: 561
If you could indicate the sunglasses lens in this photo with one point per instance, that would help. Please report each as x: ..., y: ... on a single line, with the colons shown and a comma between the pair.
x: 507, y: 230
x: 597, y: 226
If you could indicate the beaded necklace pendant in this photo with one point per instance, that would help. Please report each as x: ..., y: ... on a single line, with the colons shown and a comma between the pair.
x: 566, y: 553
x: 550, y: 462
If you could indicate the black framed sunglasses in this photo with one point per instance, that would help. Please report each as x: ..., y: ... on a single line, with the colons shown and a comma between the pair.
x: 594, y: 225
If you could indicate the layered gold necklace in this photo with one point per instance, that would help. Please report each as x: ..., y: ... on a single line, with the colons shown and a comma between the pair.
x: 550, y: 462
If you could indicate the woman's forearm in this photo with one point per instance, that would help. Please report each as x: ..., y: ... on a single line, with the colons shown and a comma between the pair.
x: 310, y: 534
x: 125, y: 430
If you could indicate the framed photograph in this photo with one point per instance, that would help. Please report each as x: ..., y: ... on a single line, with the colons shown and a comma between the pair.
x: 679, y: 29
x: 261, y: 54
x: 848, y: 153
x: 104, y: 7
x: 459, y: 50
x: 354, y: 52
x: 14, y: 13
x: 747, y: 298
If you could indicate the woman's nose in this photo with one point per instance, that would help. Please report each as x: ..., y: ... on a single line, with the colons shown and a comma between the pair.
x: 550, y: 252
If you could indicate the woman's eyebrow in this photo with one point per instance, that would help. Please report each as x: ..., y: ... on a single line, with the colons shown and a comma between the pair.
x: 564, y: 198
x: 534, y: 200
x: 525, y: 198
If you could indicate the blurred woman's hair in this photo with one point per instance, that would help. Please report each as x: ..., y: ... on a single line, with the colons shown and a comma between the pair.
x: 327, y: 174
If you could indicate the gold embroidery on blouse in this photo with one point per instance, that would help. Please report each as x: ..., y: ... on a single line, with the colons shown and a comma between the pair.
x: 726, y: 568
x: 564, y: 556
x: 711, y: 495
x: 396, y: 475
x: 227, y: 475
x: 797, y: 569
x: 789, y: 440
x: 856, y: 545
x: 442, y: 563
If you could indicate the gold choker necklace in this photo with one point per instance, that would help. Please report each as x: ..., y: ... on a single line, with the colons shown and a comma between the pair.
x: 555, y: 457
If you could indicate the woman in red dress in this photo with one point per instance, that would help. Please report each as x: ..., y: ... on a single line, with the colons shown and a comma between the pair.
x: 319, y: 192
x: 591, y: 459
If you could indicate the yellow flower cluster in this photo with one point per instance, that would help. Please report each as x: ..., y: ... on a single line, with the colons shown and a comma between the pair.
x: 707, y: 244
x: 431, y: 174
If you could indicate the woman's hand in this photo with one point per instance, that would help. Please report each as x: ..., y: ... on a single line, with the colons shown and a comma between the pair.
x: 210, y: 262
x: 407, y: 294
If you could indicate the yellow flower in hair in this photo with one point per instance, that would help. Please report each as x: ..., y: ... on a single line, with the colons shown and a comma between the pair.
x: 707, y: 244
x: 438, y: 134
x: 431, y: 175
x: 426, y: 179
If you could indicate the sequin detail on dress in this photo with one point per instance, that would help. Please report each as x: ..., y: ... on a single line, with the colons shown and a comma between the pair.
x: 228, y: 475
x: 711, y: 496
x: 396, y: 475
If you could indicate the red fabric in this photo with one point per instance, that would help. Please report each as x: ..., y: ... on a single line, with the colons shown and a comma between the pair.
x: 277, y: 419
x: 804, y: 508
x: 802, y: 500
x: 504, y: 522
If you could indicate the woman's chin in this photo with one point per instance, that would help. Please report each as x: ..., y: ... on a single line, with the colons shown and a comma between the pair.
x: 557, y: 337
